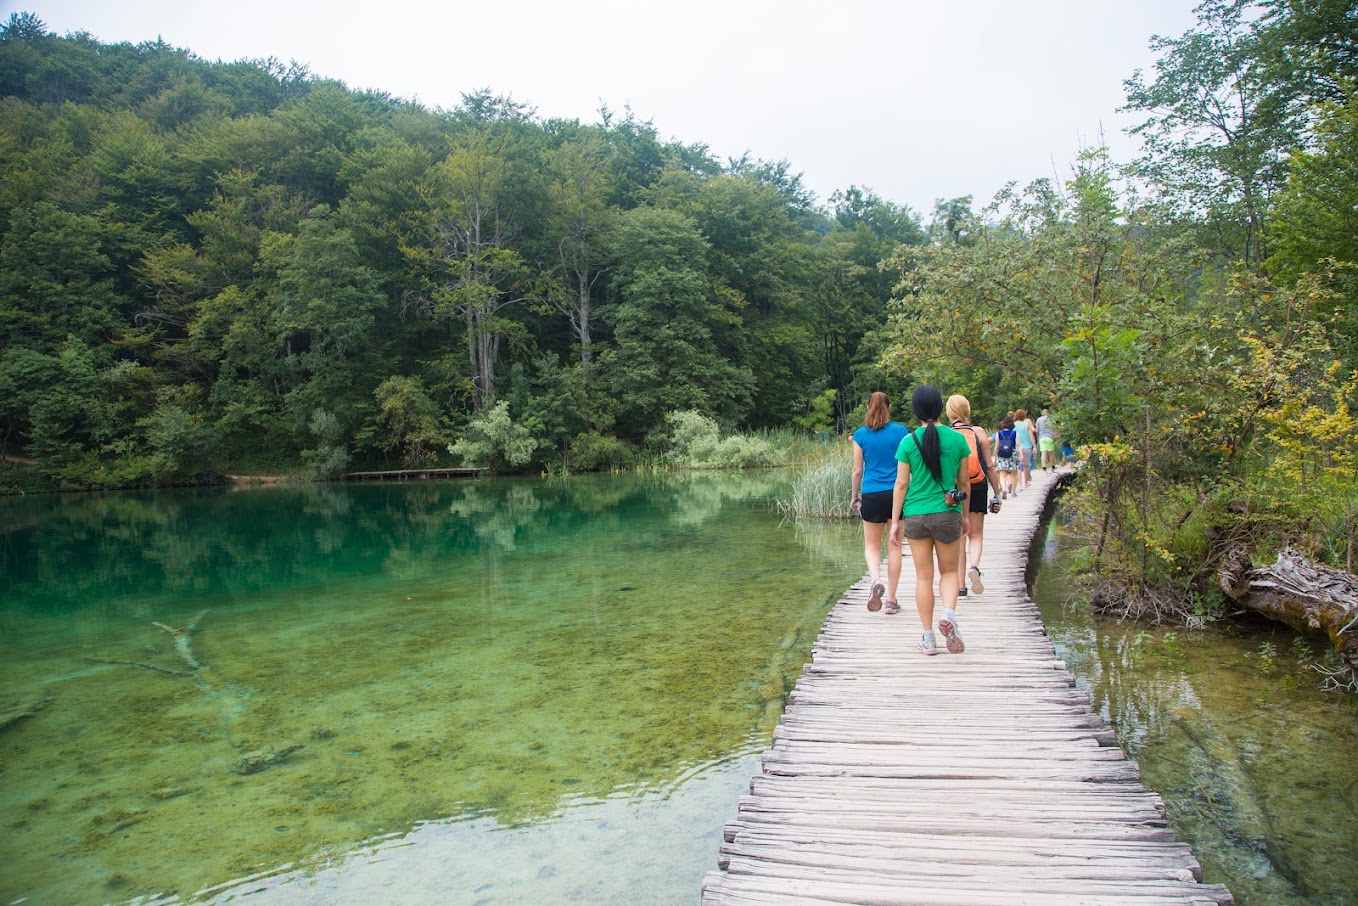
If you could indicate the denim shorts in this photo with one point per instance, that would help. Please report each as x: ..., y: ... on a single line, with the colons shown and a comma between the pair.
x: 945, y: 528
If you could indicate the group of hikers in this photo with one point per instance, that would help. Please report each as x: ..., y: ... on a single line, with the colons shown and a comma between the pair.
x: 934, y: 486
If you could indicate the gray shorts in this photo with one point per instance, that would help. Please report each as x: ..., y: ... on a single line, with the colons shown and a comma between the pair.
x: 944, y: 528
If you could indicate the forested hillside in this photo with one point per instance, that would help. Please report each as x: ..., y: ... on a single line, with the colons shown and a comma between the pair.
x: 231, y: 266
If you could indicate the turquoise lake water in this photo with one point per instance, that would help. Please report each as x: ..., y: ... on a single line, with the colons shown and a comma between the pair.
x: 524, y: 691
x: 533, y: 691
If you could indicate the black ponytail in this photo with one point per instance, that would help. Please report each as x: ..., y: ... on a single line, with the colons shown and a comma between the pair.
x: 927, y: 404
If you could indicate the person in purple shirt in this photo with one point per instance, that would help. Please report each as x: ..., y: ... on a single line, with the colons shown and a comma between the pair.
x: 874, y: 479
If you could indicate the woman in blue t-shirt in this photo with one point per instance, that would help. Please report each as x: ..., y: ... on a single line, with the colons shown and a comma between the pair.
x: 874, y: 478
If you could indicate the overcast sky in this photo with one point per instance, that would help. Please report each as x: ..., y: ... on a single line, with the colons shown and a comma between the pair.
x: 915, y: 100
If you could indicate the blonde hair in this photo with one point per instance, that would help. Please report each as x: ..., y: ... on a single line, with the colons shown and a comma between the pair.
x: 959, y: 410
x: 879, y: 410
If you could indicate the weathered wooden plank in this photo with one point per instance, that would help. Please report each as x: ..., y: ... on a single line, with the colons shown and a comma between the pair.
x: 939, y: 694
x: 960, y: 771
x: 870, y: 809
x: 748, y: 889
x: 1022, y: 827
x: 935, y: 749
x: 884, y: 862
x: 998, y: 885
x: 927, y: 714
x: 942, y: 734
x: 973, y: 848
x: 979, y: 793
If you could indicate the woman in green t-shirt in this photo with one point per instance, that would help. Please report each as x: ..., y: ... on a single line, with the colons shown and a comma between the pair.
x: 926, y: 505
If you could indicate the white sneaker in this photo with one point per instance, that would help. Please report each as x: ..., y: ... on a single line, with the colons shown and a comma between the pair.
x: 977, y: 587
x: 927, y: 645
x: 949, y: 629
x: 875, y: 598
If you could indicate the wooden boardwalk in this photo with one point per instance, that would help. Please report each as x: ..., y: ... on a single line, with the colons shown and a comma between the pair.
x: 412, y: 474
x: 977, y: 778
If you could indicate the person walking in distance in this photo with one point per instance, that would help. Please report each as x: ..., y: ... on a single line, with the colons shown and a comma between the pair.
x: 1006, y: 456
x: 1046, y: 439
x: 874, y: 479
x: 983, y: 476
x: 1027, y: 442
x: 926, y: 509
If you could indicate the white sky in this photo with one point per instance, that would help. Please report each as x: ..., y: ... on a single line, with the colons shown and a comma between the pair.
x: 915, y: 100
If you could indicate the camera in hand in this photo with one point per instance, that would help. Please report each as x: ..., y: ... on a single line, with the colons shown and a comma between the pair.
x: 995, y: 505
x: 955, y: 496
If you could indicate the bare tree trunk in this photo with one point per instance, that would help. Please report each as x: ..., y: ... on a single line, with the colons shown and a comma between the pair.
x: 581, y: 319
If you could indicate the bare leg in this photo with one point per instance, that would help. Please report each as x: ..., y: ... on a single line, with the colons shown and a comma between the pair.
x: 872, y: 549
x: 947, y: 573
x: 975, y: 538
x: 893, y: 568
x: 962, y: 558
x: 975, y: 544
x: 922, y: 556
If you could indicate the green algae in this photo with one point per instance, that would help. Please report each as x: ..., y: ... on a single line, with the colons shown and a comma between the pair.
x: 485, y: 657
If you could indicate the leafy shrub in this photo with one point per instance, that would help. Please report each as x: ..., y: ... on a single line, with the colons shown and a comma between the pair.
x: 493, y: 438
x: 593, y: 452
x: 696, y: 443
x: 740, y: 452
x: 693, y: 437
x: 329, y: 458
x: 183, y: 442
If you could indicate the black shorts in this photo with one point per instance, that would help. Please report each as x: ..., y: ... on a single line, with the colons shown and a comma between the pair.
x: 979, y: 498
x: 877, y: 506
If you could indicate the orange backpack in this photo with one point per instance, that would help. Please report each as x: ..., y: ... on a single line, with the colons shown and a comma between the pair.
x: 975, y: 473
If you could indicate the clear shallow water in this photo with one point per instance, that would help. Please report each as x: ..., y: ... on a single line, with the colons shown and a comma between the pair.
x: 1257, y: 767
x: 511, y: 692
x: 532, y: 691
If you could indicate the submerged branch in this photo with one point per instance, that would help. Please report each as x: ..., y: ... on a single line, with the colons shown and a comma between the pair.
x: 26, y: 709
x: 140, y: 665
x: 183, y: 644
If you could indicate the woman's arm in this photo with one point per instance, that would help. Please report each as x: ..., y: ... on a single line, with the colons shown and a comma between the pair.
x: 898, y: 498
x: 856, y: 482
x: 986, y: 461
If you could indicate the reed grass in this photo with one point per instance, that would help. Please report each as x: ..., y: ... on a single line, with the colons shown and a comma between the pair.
x: 820, y: 482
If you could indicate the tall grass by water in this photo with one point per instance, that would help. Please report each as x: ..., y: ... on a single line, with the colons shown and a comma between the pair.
x: 820, y: 482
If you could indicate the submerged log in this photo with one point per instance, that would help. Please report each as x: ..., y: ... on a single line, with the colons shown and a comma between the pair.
x: 262, y: 759
x: 1307, y: 596
x: 140, y: 665
x: 26, y: 709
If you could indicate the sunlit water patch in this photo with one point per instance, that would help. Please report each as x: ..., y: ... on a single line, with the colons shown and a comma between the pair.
x: 1258, y: 767
x: 445, y: 692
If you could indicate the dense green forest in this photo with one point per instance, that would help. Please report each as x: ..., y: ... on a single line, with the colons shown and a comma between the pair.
x: 218, y: 266
x: 209, y: 266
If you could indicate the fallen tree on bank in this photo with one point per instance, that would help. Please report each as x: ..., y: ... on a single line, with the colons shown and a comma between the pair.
x: 1307, y: 596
